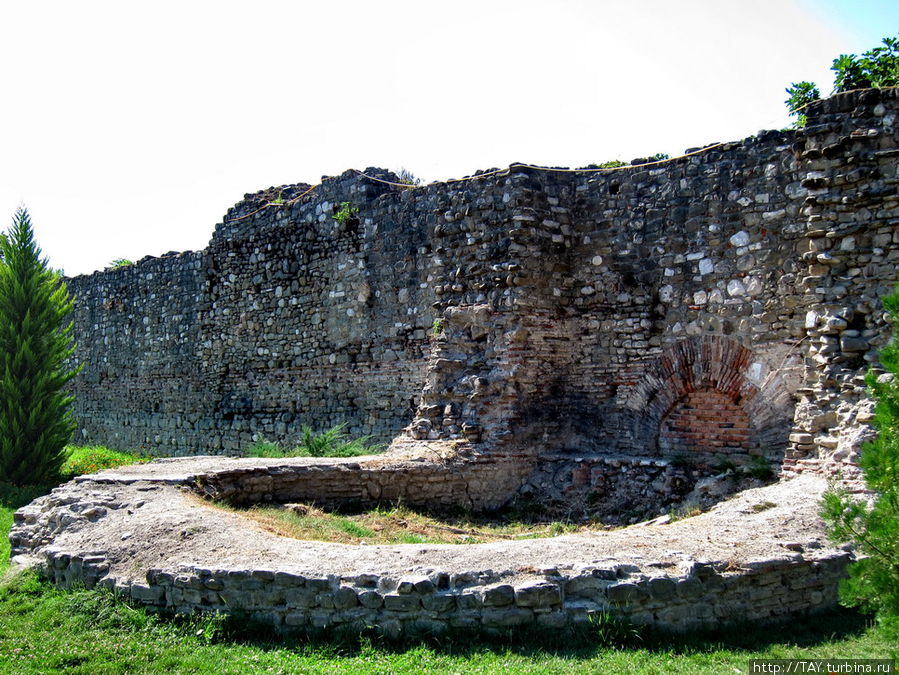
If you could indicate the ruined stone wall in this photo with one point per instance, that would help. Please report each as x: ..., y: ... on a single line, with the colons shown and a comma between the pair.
x: 287, y: 318
x: 539, y: 315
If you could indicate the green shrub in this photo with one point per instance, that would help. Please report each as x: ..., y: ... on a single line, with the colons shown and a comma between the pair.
x: 90, y: 459
x: 873, y: 582
x: 331, y: 443
x: 406, y: 177
x: 760, y: 468
x: 264, y: 448
x: 15, y: 496
x: 725, y: 465
x: 878, y: 67
x: 684, y: 510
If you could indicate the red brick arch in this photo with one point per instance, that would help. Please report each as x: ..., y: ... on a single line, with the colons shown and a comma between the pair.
x: 709, y: 396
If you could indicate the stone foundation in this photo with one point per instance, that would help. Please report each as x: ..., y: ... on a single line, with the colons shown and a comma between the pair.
x: 140, y: 532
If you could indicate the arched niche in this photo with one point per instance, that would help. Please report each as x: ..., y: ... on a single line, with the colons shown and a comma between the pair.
x: 708, y: 398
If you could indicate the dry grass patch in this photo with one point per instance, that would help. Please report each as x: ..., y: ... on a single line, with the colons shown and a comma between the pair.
x: 394, y: 525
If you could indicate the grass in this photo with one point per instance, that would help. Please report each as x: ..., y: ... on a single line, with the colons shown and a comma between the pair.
x: 93, y: 458
x: 45, y: 630
x: 334, y: 442
x: 393, y: 525
x: 684, y: 511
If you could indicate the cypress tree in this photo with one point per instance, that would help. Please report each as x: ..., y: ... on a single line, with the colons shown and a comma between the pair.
x: 873, y: 583
x: 35, y: 344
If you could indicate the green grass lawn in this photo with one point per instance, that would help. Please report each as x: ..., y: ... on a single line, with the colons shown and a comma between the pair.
x: 44, y: 630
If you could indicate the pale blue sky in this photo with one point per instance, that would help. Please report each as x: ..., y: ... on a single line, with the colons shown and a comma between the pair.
x: 129, y: 129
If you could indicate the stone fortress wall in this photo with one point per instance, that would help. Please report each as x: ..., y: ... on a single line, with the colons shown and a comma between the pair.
x: 574, y: 327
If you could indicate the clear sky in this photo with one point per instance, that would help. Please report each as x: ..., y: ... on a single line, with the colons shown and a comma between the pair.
x: 128, y: 129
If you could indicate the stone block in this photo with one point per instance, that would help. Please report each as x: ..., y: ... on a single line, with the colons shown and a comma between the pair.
x: 318, y: 584
x: 553, y: 619
x: 499, y: 595
x: 468, y: 600
x: 402, y: 603
x: 370, y: 599
x: 301, y: 597
x: 689, y: 588
x: 345, y: 598
x: 625, y: 594
x: 438, y: 603
x: 507, y: 617
x: 392, y: 629
x: 147, y: 594
x: 296, y: 619
x: 213, y: 584
x: 538, y: 594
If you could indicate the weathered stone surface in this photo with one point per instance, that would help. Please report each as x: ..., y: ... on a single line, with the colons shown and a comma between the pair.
x: 662, y: 589
x: 506, y: 618
x: 370, y: 599
x: 345, y: 598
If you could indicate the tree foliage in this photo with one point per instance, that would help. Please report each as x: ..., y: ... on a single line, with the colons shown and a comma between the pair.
x: 873, y: 582
x: 800, y: 95
x: 877, y: 67
x: 35, y: 344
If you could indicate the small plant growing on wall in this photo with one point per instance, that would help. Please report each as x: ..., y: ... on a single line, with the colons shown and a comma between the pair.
x: 800, y: 95
x: 345, y: 213
x: 120, y: 262
x: 406, y: 177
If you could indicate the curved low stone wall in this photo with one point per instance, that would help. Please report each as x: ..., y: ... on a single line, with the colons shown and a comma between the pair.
x: 144, y: 532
